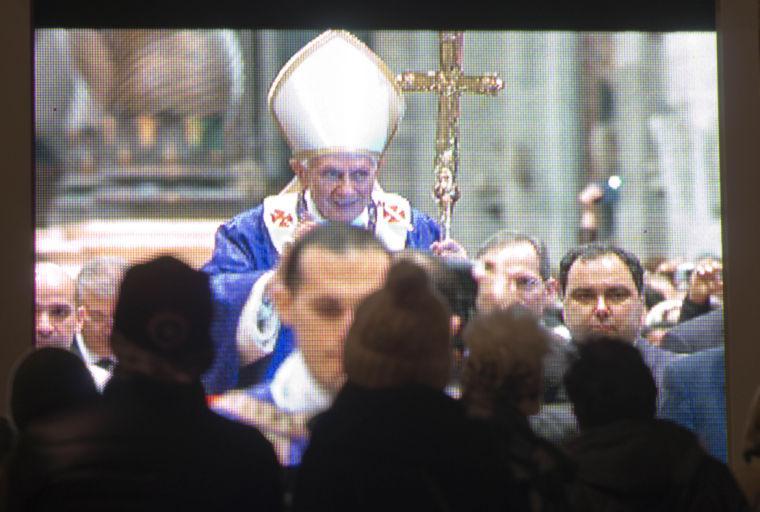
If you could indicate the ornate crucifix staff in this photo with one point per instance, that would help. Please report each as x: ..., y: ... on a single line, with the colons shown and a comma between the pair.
x: 449, y: 83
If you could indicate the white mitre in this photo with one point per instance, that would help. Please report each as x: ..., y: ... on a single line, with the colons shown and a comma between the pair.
x: 333, y: 96
x: 336, y: 95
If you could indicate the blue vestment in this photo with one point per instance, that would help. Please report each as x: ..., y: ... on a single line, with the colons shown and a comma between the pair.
x: 246, y: 248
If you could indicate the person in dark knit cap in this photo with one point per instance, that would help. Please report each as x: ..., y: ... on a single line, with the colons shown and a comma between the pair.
x: 393, y: 440
x: 49, y: 381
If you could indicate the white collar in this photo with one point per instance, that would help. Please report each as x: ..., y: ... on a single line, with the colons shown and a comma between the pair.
x: 294, y: 389
x: 88, y: 356
x: 100, y: 376
x: 394, y: 218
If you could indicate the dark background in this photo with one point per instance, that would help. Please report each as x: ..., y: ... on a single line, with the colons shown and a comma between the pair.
x: 654, y: 15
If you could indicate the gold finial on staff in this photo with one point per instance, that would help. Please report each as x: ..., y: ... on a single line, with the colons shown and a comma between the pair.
x: 448, y: 83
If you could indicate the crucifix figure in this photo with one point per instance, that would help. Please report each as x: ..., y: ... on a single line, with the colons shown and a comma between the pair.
x: 449, y: 83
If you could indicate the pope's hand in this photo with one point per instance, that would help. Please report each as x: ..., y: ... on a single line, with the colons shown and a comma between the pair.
x: 304, y: 226
x: 449, y: 249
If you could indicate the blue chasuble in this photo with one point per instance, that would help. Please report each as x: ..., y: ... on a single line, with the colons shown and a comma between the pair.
x: 249, y: 246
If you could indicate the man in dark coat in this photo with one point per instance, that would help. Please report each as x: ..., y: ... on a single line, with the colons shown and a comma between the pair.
x: 603, y: 295
x: 700, y: 333
x: 626, y: 459
x: 513, y: 268
x: 695, y: 398
x: 153, y: 444
x: 392, y: 439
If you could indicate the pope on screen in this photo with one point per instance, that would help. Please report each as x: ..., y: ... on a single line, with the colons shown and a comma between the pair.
x: 338, y: 107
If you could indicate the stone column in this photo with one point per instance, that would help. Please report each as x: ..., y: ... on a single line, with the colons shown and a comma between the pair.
x: 639, y: 95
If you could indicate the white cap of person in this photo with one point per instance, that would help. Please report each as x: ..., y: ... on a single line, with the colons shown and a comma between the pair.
x: 336, y: 96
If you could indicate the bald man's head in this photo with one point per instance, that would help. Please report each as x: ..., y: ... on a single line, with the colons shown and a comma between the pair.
x: 55, y: 318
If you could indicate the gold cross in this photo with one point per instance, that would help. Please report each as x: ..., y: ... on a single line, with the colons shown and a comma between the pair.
x: 449, y: 83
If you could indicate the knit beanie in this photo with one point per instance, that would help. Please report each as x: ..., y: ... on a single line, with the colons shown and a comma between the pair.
x: 400, y: 334
x: 48, y: 381
x: 165, y: 309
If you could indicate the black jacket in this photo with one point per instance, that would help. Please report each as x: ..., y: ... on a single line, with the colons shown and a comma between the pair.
x: 649, y: 466
x: 408, y: 448
x: 150, y: 445
x: 540, y: 472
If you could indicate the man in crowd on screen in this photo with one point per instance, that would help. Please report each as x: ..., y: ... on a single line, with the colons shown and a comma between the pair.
x: 55, y: 316
x: 97, y: 288
x: 338, y: 107
x: 322, y: 279
x: 603, y: 290
x: 513, y: 268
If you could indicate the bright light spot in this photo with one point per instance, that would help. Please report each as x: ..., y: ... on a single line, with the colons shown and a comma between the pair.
x: 614, y: 182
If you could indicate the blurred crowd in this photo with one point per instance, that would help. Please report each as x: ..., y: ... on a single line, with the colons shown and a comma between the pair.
x: 416, y: 382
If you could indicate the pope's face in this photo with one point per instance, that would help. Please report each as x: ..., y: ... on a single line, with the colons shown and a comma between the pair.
x: 601, y: 299
x: 510, y: 275
x: 321, y: 309
x: 340, y: 184
x: 55, y: 318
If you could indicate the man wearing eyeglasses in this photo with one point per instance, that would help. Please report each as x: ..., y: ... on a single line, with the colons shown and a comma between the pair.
x: 97, y: 288
x: 55, y: 319
x: 513, y: 268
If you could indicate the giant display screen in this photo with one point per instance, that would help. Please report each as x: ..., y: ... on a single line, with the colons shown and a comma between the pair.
x: 147, y: 141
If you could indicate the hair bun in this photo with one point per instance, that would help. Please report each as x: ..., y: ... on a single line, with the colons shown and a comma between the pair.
x: 407, y: 283
x: 400, y: 333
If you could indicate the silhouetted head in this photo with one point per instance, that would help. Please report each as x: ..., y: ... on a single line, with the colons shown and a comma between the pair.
x: 609, y: 382
x: 47, y: 382
x: 162, y: 320
x: 400, y: 334
x: 505, y: 362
